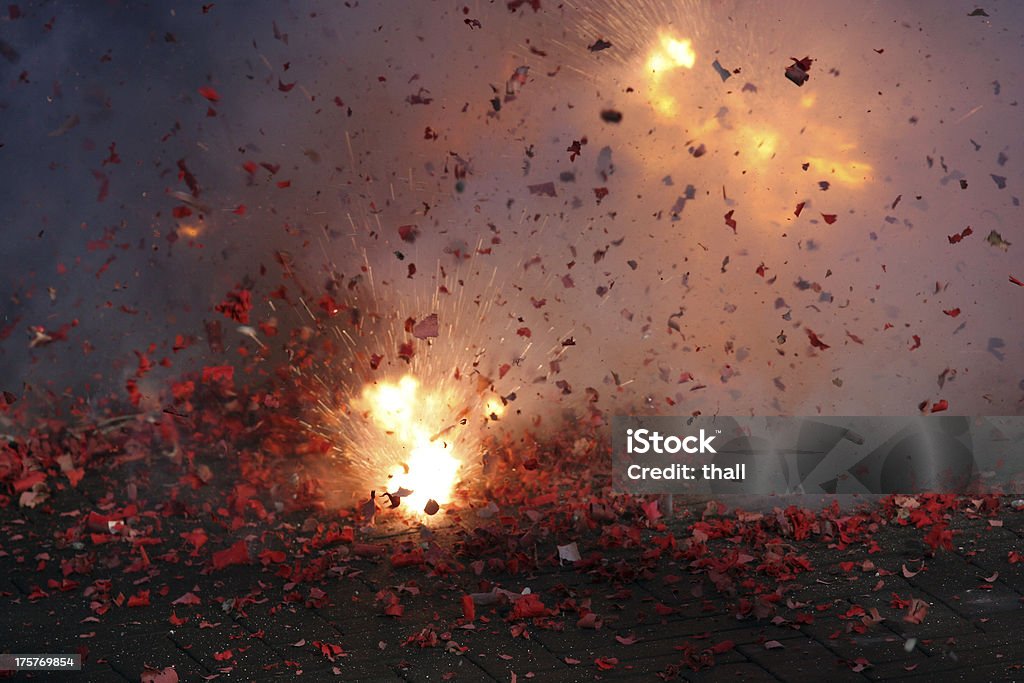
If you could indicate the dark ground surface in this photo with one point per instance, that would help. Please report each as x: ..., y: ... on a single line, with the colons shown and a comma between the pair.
x: 705, y: 595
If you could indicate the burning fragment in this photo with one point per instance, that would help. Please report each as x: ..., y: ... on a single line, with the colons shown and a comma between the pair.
x: 797, y: 72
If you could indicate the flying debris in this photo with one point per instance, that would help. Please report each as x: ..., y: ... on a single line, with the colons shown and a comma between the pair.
x: 611, y: 116
x: 516, y: 82
x: 722, y: 71
x: 797, y: 72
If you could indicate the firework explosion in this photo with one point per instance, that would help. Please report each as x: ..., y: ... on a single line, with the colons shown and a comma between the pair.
x: 320, y: 322
x: 410, y: 394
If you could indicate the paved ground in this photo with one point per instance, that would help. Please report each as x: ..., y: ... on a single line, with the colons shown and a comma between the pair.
x: 258, y: 593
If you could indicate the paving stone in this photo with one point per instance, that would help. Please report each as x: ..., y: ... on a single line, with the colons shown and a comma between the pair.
x: 986, y: 623
x: 432, y: 664
x: 941, y: 664
x: 500, y: 657
x: 132, y: 654
x: 249, y: 655
x: 800, y: 660
x: 1002, y: 622
x: 742, y: 671
x: 286, y: 626
x: 992, y: 673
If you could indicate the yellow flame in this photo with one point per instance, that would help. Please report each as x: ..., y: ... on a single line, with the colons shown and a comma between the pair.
x: 847, y: 172
x: 493, y: 407
x: 433, y: 473
x: 764, y: 143
x: 671, y: 54
x: 416, y: 458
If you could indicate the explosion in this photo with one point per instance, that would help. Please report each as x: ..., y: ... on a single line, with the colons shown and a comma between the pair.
x: 407, y: 393
x: 754, y: 128
x: 421, y: 465
x: 671, y: 54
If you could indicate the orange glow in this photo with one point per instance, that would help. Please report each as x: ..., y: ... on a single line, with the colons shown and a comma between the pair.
x: 671, y: 54
x: 190, y: 230
x: 411, y: 454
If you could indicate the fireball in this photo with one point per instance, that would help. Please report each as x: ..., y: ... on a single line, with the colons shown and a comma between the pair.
x: 409, y: 422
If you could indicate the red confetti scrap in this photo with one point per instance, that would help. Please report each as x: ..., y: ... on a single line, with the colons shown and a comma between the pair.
x: 236, y: 554
x: 140, y: 599
x: 104, y: 181
x: 329, y: 650
x: 829, y: 218
x: 218, y: 374
x: 730, y: 221
x: 209, y: 93
x: 188, y: 599
x: 815, y: 340
x: 166, y: 675
x: 272, y: 557
x: 952, y: 312
x: 529, y: 606
x: 954, y: 238
x: 30, y: 480
x: 940, y: 536
x: 799, y: 208
x: 408, y: 233
x: 236, y: 305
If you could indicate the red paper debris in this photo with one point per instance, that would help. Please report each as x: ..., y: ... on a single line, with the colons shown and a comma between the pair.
x: 236, y: 554
x: 209, y: 93
x: 815, y: 340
